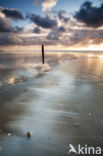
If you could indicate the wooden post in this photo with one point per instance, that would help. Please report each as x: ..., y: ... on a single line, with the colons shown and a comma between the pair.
x: 43, y: 57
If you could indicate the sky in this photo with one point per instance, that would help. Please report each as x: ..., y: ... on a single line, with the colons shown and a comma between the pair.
x: 58, y: 24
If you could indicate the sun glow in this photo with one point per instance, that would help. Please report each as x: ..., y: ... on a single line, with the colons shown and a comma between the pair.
x: 90, y: 55
x: 100, y: 56
x: 92, y: 47
x: 97, y: 56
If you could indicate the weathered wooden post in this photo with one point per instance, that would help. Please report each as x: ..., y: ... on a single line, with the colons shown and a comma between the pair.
x: 43, y: 57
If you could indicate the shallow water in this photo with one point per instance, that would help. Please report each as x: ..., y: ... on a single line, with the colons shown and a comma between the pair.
x: 61, y: 107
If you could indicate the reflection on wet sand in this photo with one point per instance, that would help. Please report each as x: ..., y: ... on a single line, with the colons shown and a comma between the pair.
x: 62, y: 107
x: 28, y: 65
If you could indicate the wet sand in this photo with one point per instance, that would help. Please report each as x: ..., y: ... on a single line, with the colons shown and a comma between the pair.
x: 62, y: 107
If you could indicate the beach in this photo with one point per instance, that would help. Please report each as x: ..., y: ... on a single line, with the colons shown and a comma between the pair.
x: 60, y: 103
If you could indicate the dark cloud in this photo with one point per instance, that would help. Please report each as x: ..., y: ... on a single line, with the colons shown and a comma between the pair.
x: 90, y: 15
x: 35, y: 40
x: 37, y: 30
x: 18, y: 29
x: 62, y: 17
x: 52, y: 36
x: 5, y: 26
x: 61, y: 29
x: 75, y: 38
x: 44, y: 22
x: 13, y: 13
x: 9, y: 39
x: 94, y: 36
x: 56, y: 33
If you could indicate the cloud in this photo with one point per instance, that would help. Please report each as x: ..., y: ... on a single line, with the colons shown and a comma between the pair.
x: 52, y: 36
x: 56, y: 33
x: 9, y: 39
x: 18, y: 29
x: 61, y: 29
x: 12, y: 40
x: 44, y: 22
x: 12, y: 13
x: 36, y: 30
x: 36, y: 2
x: 76, y: 37
x: 90, y: 15
x: 48, y: 4
x: 62, y: 17
x: 5, y: 26
x: 70, y: 38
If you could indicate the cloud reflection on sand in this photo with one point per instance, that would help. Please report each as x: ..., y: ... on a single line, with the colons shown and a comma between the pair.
x: 12, y: 65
